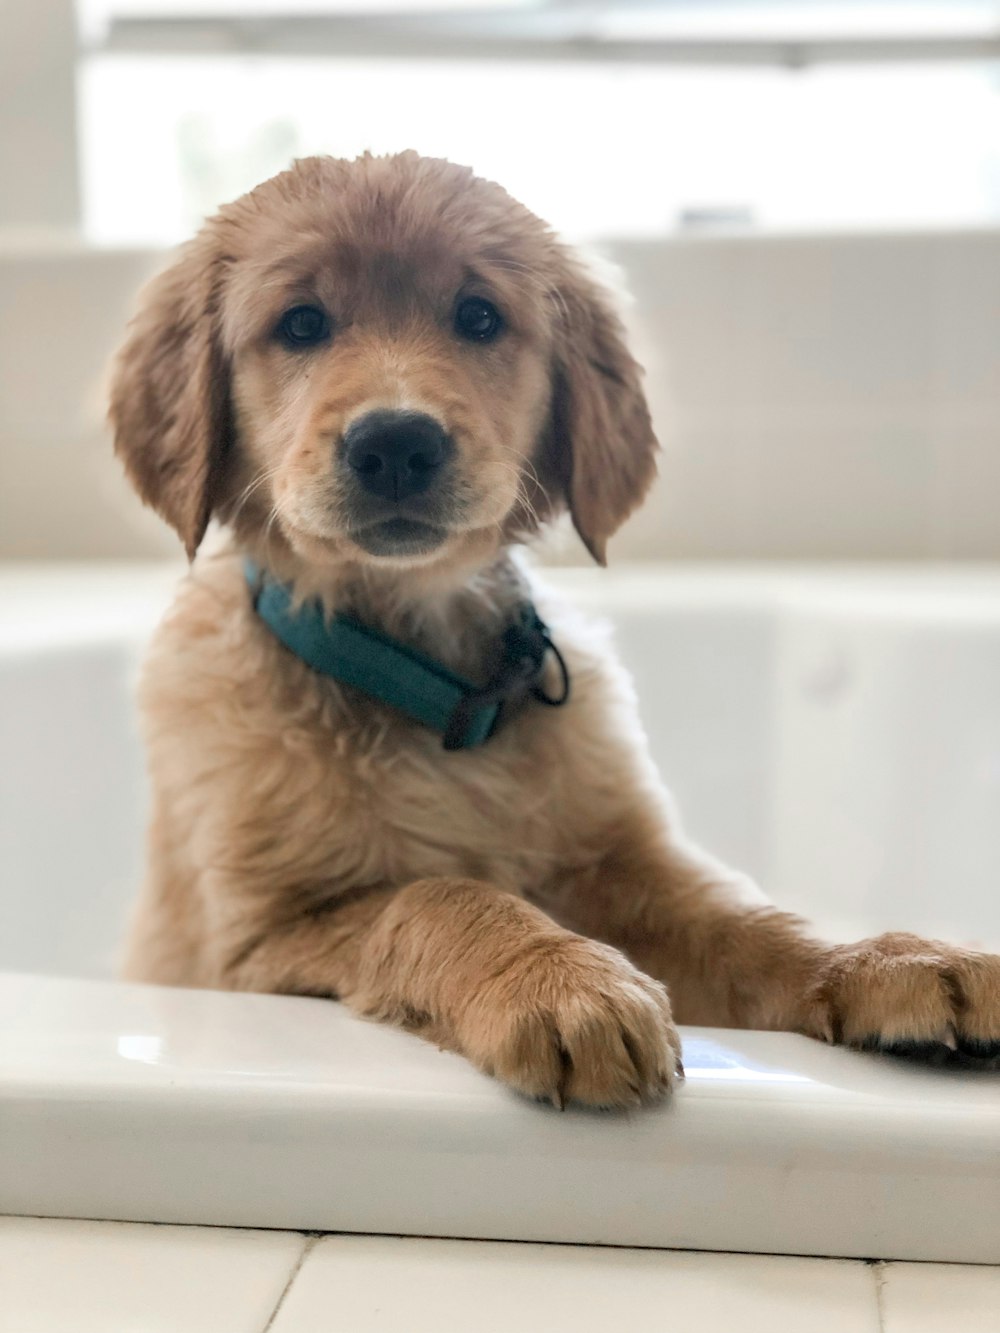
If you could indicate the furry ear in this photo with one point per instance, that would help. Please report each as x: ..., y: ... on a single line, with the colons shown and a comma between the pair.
x: 170, y: 406
x: 601, y: 435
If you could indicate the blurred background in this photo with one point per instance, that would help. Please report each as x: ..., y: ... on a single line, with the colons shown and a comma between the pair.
x: 804, y: 198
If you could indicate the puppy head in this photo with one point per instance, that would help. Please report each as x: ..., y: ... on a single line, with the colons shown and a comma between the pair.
x: 385, y: 361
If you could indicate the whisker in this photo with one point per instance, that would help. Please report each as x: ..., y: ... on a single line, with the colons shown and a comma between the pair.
x: 277, y: 511
x: 521, y: 497
x: 255, y: 483
x: 561, y: 303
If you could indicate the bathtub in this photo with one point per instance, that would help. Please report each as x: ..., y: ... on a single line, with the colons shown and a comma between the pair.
x: 835, y: 733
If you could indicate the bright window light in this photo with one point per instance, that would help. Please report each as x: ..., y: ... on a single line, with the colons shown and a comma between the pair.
x: 599, y: 150
x: 805, y: 21
x: 102, y: 10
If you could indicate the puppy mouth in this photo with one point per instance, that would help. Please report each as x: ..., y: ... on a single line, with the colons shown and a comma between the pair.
x: 399, y: 536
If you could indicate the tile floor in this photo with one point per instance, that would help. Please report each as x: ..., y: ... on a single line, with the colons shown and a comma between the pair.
x: 107, y: 1277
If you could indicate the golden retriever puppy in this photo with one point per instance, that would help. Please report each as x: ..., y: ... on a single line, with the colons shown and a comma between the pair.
x: 380, y: 376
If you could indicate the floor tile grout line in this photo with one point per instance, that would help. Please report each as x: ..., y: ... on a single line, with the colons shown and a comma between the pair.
x: 307, y: 1249
x: 879, y: 1277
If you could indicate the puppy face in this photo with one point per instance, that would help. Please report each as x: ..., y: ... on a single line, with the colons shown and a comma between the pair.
x: 390, y: 377
x: 387, y: 362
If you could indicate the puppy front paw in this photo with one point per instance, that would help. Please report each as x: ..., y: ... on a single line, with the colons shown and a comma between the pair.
x: 908, y: 996
x: 576, y: 1022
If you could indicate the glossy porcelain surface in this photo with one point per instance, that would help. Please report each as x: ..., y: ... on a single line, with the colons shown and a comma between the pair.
x: 183, y: 1106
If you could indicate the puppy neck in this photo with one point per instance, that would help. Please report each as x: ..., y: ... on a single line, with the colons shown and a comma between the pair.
x: 454, y: 615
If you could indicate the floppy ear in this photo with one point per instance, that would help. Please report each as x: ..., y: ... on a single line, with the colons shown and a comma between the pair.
x: 170, y: 393
x: 601, y: 433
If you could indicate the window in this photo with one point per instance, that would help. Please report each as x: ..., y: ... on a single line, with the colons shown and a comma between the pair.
x: 559, y: 102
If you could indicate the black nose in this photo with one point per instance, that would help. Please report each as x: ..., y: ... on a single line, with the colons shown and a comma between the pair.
x: 396, y: 454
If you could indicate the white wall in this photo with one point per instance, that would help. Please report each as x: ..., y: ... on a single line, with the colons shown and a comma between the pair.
x: 38, y: 142
x: 61, y: 493
x: 821, y: 397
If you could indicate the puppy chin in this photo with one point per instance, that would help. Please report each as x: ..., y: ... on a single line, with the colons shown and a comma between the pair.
x: 390, y: 548
x: 405, y: 539
x: 453, y: 558
x: 394, y: 544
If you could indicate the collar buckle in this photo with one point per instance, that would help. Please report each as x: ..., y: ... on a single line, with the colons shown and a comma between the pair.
x: 509, y: 686
x: 525, y: 645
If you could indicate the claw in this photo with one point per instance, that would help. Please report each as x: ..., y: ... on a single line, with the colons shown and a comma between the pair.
x: 907, y: 1048
x: 979, y: 1049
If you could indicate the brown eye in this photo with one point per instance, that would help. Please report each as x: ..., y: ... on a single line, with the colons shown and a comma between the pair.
x: 303, y: 326
x: 477, y: 320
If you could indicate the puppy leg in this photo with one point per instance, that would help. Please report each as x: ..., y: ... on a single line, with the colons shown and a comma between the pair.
x: 730, y: 959
x: 483, y: 972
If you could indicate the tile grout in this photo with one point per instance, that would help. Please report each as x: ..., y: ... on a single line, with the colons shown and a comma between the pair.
x: 307, y: 1249
x: 879, y: 1278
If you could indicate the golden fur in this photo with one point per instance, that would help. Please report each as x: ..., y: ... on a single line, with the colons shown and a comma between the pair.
x: 526, y: 903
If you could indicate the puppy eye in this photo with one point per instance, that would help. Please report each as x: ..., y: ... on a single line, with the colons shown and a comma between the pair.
x: 303, y: 326
x: 477, y: 319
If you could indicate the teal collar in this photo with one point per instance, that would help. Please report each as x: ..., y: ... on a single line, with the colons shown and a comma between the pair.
x: 354, y: 654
